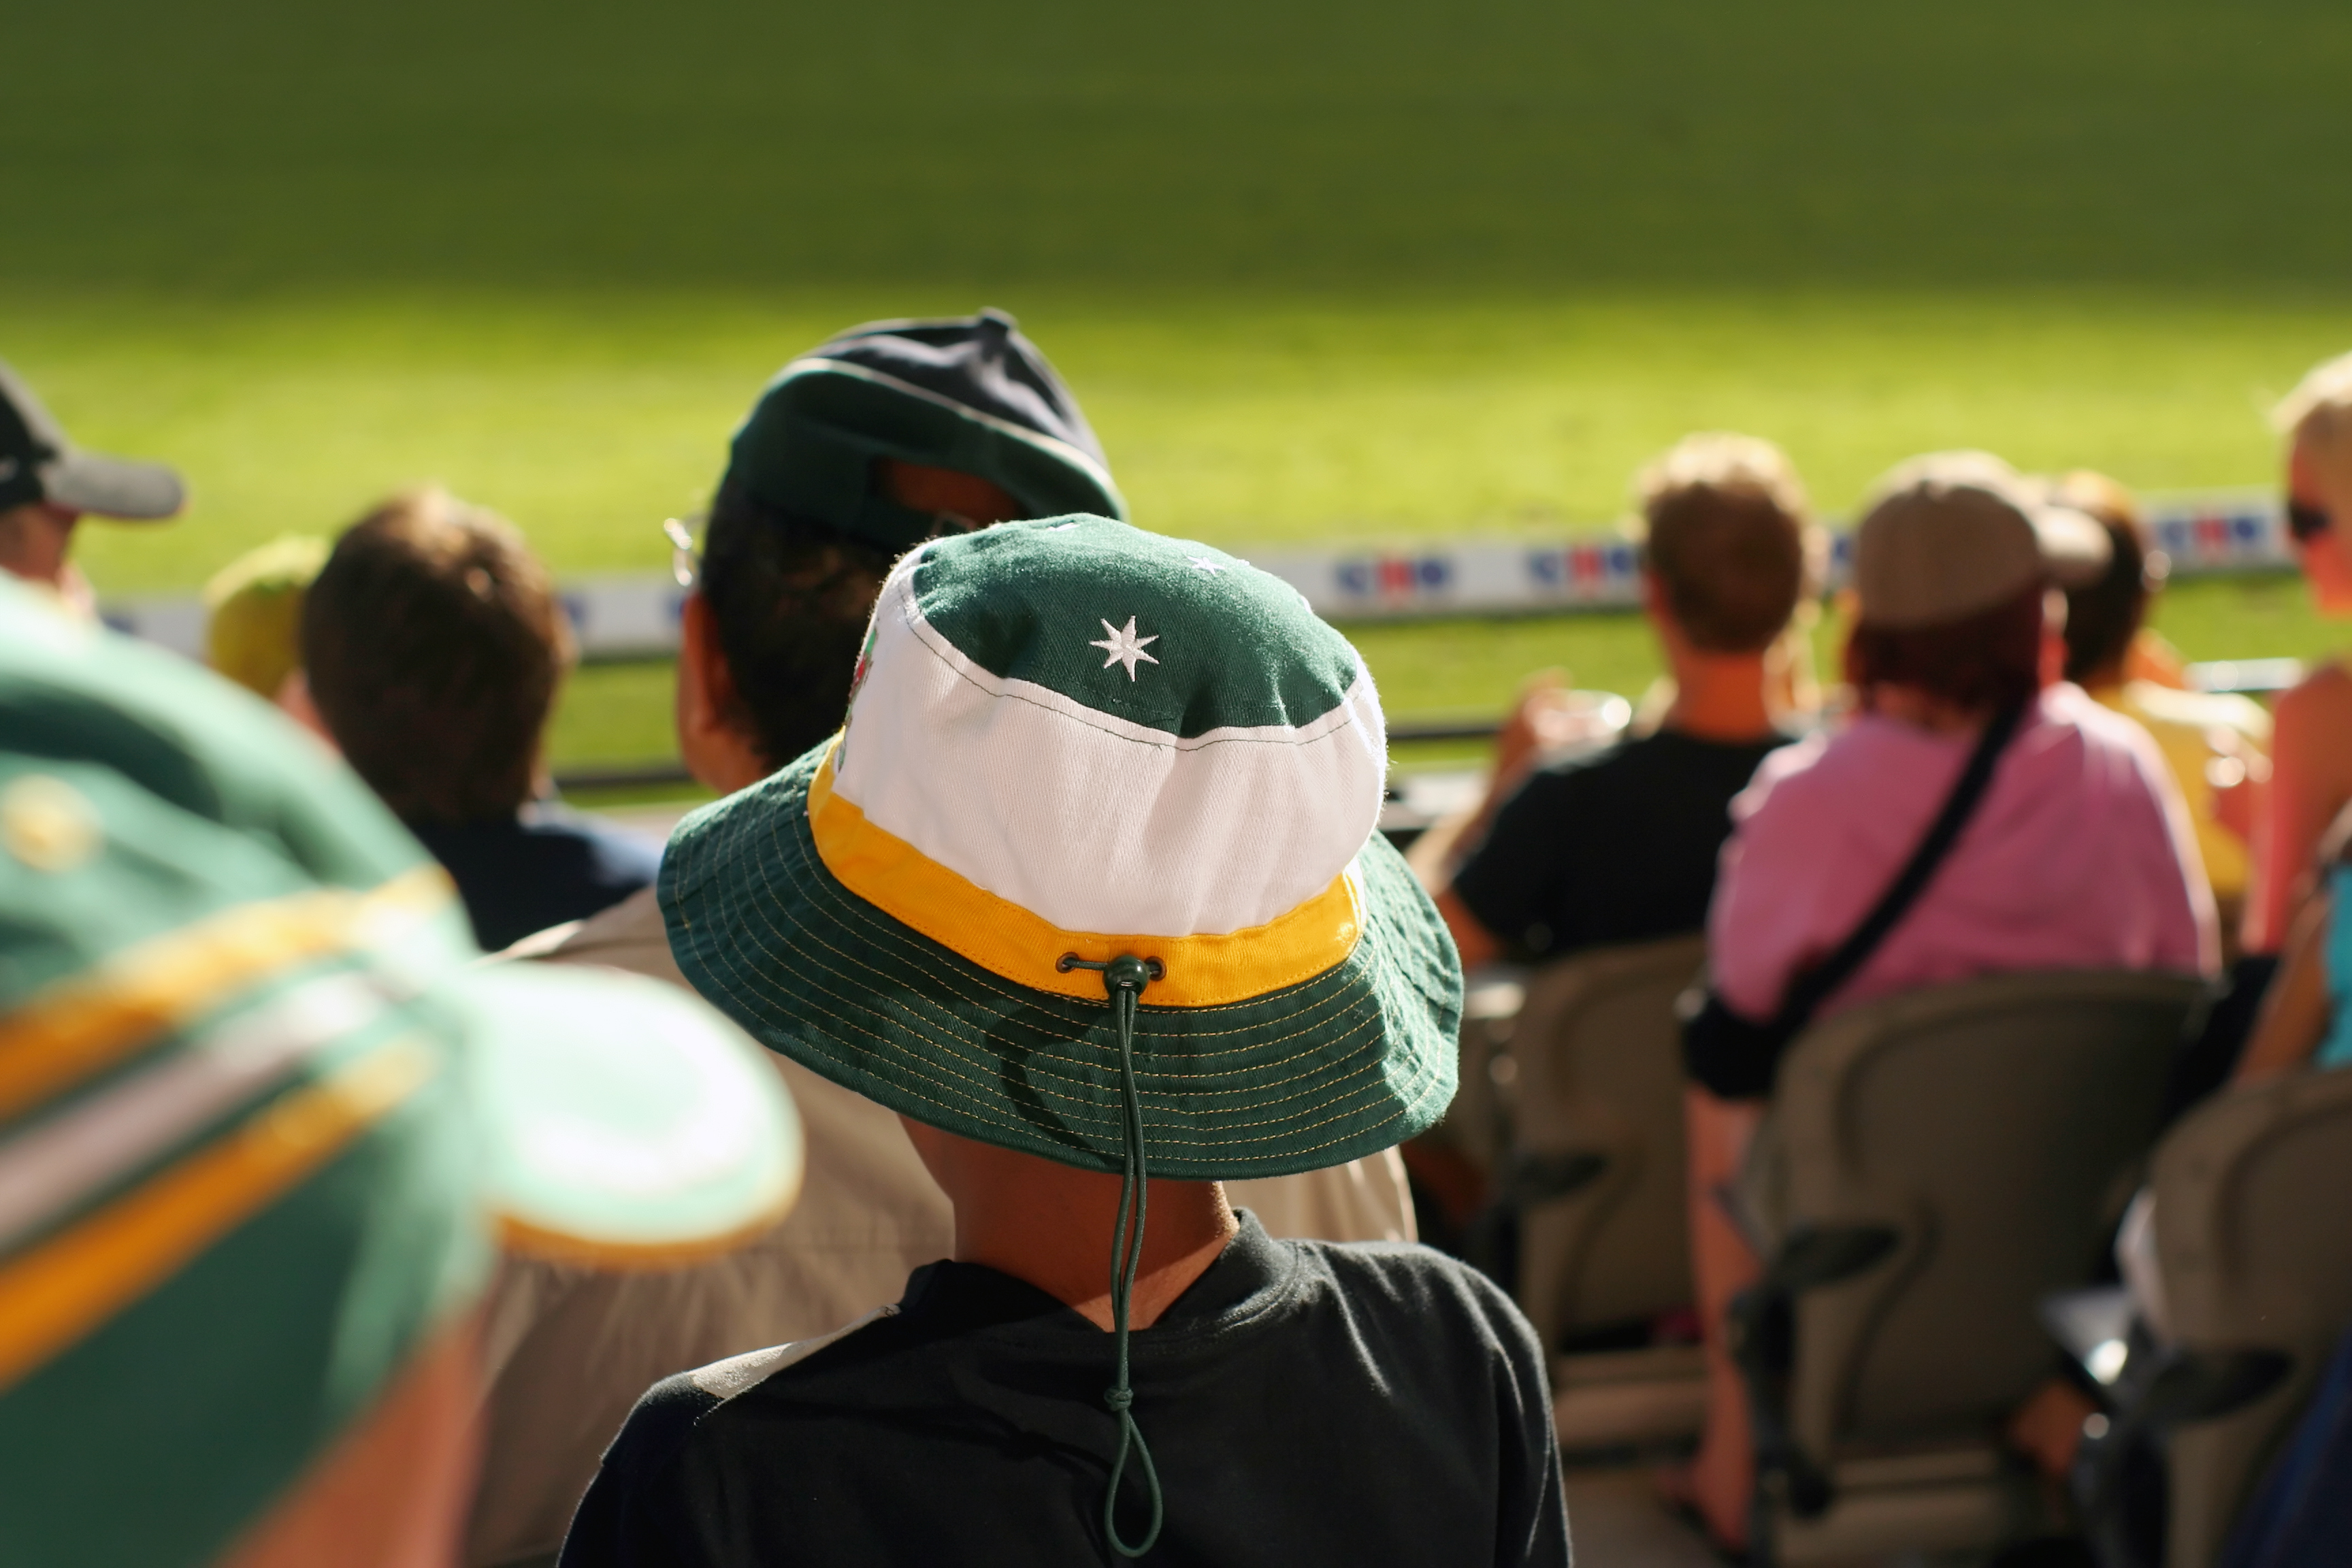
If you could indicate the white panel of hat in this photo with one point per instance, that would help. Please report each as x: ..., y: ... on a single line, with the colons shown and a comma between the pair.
x: 2203, y: 533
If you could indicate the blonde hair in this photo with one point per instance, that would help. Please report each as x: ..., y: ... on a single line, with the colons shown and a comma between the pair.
x: 1727, y: 530
x: 1726, y: 462
x: 2317, y: 416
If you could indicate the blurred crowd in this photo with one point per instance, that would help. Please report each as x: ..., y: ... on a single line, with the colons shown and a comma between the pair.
x: 399, y: 1165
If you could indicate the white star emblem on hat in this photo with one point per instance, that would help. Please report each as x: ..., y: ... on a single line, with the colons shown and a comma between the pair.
x: 1123, y: 646
x: 1203, y: 564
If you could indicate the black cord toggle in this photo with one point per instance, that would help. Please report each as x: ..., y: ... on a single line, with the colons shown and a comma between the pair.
x: 1124, y: 978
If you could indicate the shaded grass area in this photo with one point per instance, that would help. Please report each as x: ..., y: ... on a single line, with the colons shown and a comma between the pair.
x: 1455, y: 670
x: 1498, y: 143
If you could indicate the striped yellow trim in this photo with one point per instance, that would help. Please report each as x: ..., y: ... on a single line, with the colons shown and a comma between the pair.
x: 1005, y: 939
x: 59, y: 1292
x: 528, y: 1240
x: 89, y: 1023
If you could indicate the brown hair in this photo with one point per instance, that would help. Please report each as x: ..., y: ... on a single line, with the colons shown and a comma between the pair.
x: 2102, y: 618
x: 434, y: 645
x: 1728, y: 536
x: 1987, y: 661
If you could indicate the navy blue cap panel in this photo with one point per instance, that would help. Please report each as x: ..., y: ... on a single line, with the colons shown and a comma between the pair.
x: 970, y: 395
x: 982, y: 361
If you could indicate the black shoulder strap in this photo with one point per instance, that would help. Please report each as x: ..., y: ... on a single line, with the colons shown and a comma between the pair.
x: 1812, y: 988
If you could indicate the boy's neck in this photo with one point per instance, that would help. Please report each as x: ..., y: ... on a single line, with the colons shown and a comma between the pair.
x: 1060, y: 1240
x: 1051, y: 1223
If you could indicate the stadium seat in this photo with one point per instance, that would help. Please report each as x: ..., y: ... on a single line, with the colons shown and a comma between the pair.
x: 1932, y: 1165
x: 2256, y: 1261
x: 1597, y: 1168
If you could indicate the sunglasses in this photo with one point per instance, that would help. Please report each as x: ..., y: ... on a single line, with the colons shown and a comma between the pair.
x: 2306, y: 522
x: 685, y: 561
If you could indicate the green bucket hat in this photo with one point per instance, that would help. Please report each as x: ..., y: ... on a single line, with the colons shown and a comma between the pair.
x: 1090, y: 873
x: 967, y: 393
x: 262, y: 1124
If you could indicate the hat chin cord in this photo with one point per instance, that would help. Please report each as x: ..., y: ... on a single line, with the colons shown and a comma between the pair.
x: 1124, y: 978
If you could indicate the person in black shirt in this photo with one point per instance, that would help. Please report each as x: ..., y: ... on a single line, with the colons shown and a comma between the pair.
x: 1618, y: 844
x: 1115, y: 1364
x: 432, y: 646
x: 1301, y: 1392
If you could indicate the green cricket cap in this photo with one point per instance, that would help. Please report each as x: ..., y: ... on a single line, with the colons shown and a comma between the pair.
x: 39, y: 462
x: 1069, y: 741
x: 264, y: 1122
x: 967, y: 393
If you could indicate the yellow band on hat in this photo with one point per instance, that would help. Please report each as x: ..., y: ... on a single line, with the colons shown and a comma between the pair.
x: 85, y: 1025
x: 53, y: 1296
x: 1005, y: 939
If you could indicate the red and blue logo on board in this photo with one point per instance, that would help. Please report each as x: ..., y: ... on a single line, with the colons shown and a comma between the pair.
x: 1602, y: 569
x: 1393, y: 579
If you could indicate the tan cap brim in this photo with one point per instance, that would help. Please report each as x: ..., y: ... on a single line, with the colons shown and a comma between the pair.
x: 2076, y: 548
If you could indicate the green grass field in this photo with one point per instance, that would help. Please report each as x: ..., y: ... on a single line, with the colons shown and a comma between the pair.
x: 1319, y: 271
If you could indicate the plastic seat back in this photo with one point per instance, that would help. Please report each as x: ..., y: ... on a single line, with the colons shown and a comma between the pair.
x: 1995, y: 1128
x: 1599, y: 1059
x: 2253, y: 1234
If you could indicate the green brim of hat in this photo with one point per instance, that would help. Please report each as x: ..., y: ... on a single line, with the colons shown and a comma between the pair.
x: 1346, y: 1064
x: 625, y: 1124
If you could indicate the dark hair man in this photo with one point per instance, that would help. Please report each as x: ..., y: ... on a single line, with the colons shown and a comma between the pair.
x: 264, y: 1127
x: 2080, y: 854
x: 889, y: 435
x: 1064, y: 729
x: 1619, y: 844
x: 433, y: 647
x: 47, y: 484
x: 860, y: 450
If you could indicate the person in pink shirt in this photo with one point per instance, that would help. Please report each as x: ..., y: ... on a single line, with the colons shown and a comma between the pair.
x: 2078, y: 854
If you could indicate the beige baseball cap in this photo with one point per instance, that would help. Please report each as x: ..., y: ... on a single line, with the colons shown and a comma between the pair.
x: 1951, y: 534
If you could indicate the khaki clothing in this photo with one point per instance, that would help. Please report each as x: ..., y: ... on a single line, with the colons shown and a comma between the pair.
x: 570, y: 1349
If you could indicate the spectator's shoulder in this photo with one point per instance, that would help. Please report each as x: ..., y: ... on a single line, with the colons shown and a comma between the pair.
x: 1586, y: 780
x: 628, y: 935
x: 1796, y: 773
x: 1421, y: 1286
x: 668, y: 1414
x: 2323, y: 695
x: 2068, y: 709
x: 1558, y: 793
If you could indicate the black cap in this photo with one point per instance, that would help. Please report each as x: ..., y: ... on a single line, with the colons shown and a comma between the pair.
x: 969, y: 393
x: 39, y: 462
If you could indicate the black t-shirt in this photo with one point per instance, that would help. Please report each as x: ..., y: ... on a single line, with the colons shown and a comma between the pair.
x: 1303, y: 1402
x: 539, y: 868
x: 1616, y: 845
